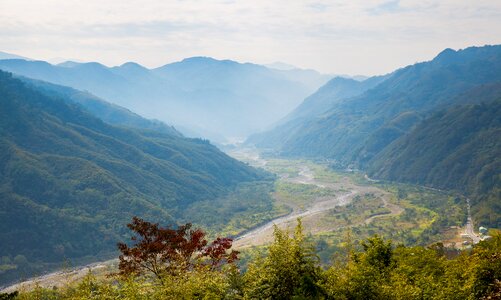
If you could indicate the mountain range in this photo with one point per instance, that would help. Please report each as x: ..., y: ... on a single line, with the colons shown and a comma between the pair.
x: 200, y: 94
x: 353, y: 128
x: 5, y: 55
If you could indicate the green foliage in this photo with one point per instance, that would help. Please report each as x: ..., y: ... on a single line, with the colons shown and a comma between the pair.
x: 290, y: 269
x: 301, y: 195
x: 248, y: 205
x: 383, y: 272
x: 9, y: 296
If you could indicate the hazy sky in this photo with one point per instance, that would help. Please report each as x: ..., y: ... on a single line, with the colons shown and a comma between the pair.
x: 352, y: 37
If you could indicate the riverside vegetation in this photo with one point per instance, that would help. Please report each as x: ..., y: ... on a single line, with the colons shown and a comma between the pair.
x: 166, y: 263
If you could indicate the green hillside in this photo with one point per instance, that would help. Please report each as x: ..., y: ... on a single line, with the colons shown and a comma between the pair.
x: 356, y: 129
x: 108, y: 112
x: 458, y: 148
x: 69, y: 182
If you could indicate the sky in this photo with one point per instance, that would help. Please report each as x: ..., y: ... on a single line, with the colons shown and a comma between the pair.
x: 366, y: 37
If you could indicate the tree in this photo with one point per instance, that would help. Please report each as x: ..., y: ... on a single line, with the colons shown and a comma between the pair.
x: 9, y: 296
x: 160, y: 251
x: 289, y: 270
x: 21, y: 261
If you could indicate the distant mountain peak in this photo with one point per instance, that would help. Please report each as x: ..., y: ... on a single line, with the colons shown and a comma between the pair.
x: 446, y: 55
x: 132, y: 65
x: 341, y: 79
x: 93, y: 64
x: 207, y: 60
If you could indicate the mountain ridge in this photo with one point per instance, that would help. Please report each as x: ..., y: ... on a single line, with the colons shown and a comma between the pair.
x: 197, y: 92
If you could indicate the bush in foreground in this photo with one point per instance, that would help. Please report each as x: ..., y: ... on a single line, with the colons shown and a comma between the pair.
x: 188, y: 267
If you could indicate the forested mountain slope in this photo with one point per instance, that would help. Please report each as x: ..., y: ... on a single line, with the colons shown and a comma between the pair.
x: 69, y: 182
x: 458, y: 148
x: 108, y: 112
x: 356, y: 129
x: 335, y: 90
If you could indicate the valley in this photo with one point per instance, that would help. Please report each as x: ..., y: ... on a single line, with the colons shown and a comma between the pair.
x: 307, y: 203
x: 331, y: 204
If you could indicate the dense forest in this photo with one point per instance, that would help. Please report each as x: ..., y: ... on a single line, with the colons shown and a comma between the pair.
x: 456, y: 149
x: 69, y: 181
x: 179, y: 263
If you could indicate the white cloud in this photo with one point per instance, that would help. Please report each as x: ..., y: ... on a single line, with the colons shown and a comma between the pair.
x: 333, y: 36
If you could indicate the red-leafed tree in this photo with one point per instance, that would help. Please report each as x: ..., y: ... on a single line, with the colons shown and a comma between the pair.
x: 160, y: 250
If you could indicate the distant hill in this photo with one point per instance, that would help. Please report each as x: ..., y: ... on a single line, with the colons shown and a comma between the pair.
x: 312, y: 107
x: 198, y: 92
x: 355, y: 129
x: 108, y: 112
x: 458, y: 148
x: 69, y: 182
x: 310, y: 78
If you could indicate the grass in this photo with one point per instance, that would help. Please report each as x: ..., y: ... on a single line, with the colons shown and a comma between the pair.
x: 301, y: 195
